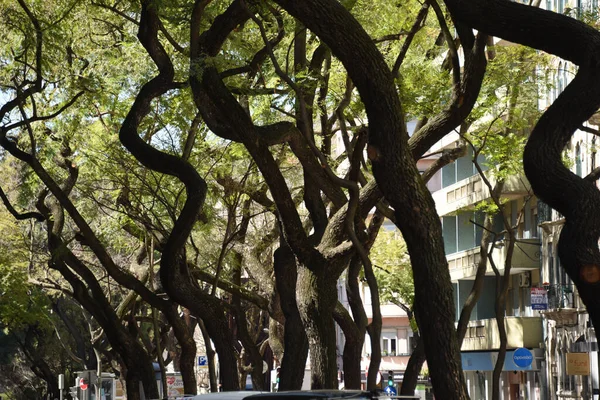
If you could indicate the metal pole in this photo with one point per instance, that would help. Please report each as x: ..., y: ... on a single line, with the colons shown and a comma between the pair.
x: 61, y: 385
x: 98, y: 384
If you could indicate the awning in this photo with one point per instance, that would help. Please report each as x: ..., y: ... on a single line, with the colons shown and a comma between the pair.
x: 486, y: 360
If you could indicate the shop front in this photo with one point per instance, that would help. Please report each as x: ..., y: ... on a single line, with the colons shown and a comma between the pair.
x: 520, y: 378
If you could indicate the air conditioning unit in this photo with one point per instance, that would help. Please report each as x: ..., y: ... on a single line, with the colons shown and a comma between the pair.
x: 525, y: 279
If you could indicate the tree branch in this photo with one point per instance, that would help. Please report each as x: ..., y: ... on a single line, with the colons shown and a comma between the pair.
x: 32, y: 214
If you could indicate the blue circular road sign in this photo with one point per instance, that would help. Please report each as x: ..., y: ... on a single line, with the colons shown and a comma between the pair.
x: 522, y: 357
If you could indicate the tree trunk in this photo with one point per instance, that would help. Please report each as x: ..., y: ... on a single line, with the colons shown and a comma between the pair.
x: 252, y: 351
x: 502, y: 283
x: 187, y: 356
x: 399, y: 180
x: 210, y: 357
x: 211, y: 311
x: 374, y: 328
x: 354, y: 342
x: 413, y: 369
x: 43, y: 371
x: 471, y: 301
x: 317, y: 296
x: 295, y: 353
x: 352, y: 358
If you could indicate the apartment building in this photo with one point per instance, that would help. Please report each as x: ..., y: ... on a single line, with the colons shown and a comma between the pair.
x: 571, y: 348
x: 457, y: 189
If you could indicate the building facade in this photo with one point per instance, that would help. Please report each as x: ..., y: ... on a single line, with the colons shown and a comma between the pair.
x: 457, y: 190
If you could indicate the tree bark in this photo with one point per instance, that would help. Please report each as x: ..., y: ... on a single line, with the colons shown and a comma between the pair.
x: 397, y: 176
x: 413, y: 369
x: 295, y: 353
x: 210, y: 356
x: 354, y: 342
x: 317, y: 296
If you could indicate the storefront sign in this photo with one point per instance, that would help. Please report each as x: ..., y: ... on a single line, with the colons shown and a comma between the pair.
x: 578, y: 363
x: 174, y: 385
x: 539, y: 299
x: 522, y: 357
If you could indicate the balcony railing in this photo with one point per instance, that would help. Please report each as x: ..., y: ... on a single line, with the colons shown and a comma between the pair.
x: 560, y: 296
x: 520, y: 332
x: 463, y: 264
x: 470, y: 191
x: 562, y: 305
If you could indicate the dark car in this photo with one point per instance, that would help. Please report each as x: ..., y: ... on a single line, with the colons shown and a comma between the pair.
x: 325, y: 394
x: 303, y: 395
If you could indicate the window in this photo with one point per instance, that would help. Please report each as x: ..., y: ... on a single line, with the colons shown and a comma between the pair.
x: 462, y: 168
x: 449, y: 234
x: 593, y: 155
x: 530, y: 219
x: 550, y: 255
x: 578, y: 169
x: 560, y: 81
x: 466, y: 231
x: 480, y: 331
x: 389, y: 343
x: 403, y: 342
x: 448, y: 175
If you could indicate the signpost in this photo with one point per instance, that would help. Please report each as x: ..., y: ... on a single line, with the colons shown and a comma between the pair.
x: 522, y: 357
x: 539, y: 299
x: 578, y: 364
x: 203, y: 361
x: 174, y: 385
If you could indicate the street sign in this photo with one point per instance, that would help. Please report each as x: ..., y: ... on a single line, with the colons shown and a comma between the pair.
x: 578, y: 364
x: 390, y: 390
x: 203, y: 361
x: 522, y: 357
x: 539, y: 299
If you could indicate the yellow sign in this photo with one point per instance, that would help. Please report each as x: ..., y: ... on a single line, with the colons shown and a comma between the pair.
x: 119, y: 392
x: 578, y: 363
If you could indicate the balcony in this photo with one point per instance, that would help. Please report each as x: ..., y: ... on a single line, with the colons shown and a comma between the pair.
x: 470, y: 191
x: 526, y: 256
x: 562, y: 305
x: 520, y: 332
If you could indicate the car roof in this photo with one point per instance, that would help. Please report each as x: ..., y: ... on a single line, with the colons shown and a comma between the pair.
x: 240, y: 395
x: 313, y: 394
x: 297, y: 394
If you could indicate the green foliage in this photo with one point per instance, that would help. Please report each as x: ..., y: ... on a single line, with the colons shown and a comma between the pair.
x: 393, y: 269
x: 507, y: 107
x: 21, y: 303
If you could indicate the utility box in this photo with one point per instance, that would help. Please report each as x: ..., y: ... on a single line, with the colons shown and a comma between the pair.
x: 87, y: 382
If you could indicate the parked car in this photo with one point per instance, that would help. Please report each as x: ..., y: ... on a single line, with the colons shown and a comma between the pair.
x: 302, y: 395
x: 241, y: 395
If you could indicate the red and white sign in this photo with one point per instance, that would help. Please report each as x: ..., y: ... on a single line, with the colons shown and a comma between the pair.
x: 174, y: 386
x: 82, y: 384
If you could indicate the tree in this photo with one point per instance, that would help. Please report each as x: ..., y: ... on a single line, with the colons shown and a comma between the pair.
x: 235, y: 78
x: 551, y: 181
x: 398, y: 178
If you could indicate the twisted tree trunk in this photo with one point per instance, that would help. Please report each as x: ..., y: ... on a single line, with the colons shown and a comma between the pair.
x: 574, y: 197
x: 295, y: 353
x: 397, y: 176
